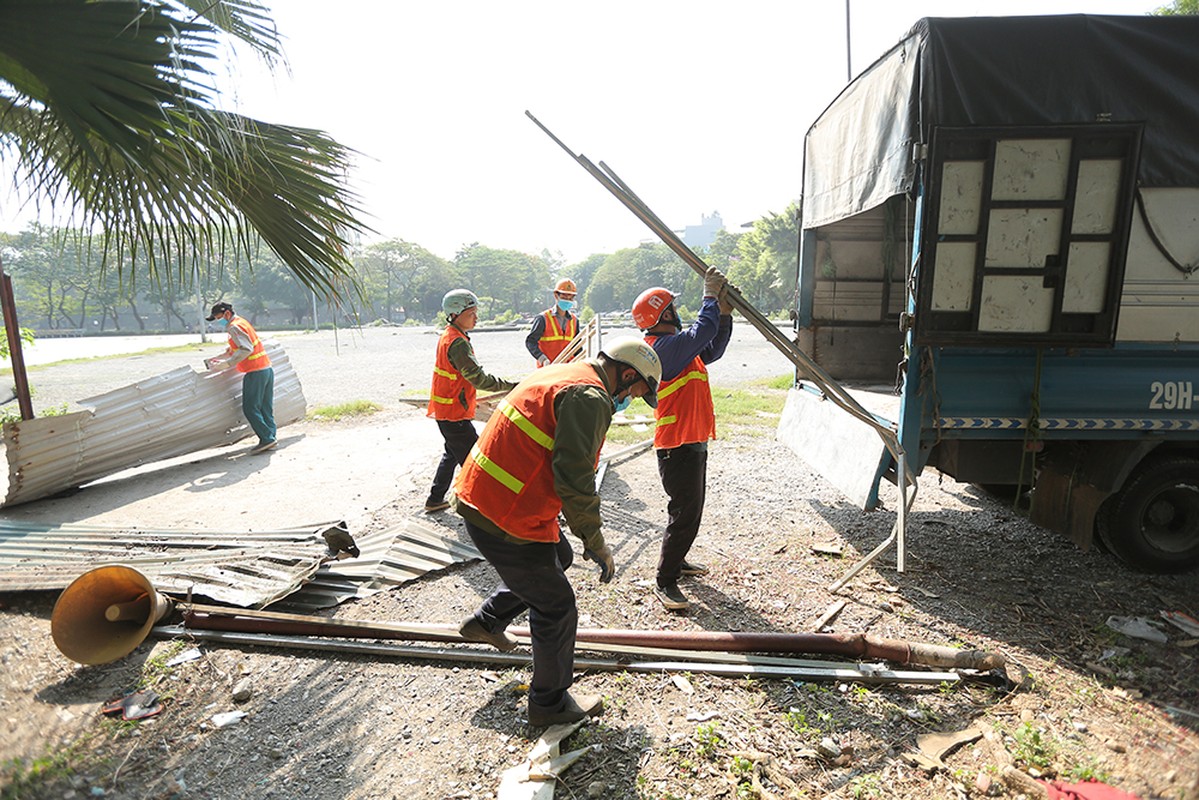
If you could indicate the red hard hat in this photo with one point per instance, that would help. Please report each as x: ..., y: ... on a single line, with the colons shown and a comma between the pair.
x: 566, y: 286
x: 648, y: 308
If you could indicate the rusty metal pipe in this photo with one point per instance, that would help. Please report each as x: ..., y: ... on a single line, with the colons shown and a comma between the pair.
x: 860, y: 646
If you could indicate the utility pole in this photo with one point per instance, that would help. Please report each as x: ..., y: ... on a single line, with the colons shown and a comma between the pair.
x: 848, y: 55
x: 20, y: 380
x: 200, y: 321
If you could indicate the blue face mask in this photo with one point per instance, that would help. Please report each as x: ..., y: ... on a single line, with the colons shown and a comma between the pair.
x: 566, y: 305
x: 222, y: 323
x: 622, y: 404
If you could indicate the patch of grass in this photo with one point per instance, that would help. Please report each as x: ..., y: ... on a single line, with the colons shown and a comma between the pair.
x: 156, y: 667
x: 1090, y: 771
x: 783, y: 382
x: 748, y: 411
x: 354, y: 408
x: 799, y: 721
x: 866, y: 787
x: 14, y: 414
x: 1032, y: 746
x: 707, y: 740
x: 45, y: 776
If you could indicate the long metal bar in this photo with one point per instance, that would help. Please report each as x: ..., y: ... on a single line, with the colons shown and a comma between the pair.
x: 850, y: 645
x: 479, y: 656
x: 823, y: 381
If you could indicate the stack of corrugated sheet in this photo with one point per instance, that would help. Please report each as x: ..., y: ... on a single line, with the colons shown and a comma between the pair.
x: 177, y: 412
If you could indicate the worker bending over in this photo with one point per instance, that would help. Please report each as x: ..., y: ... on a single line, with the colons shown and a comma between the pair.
x: 456, y: 377
x: 537, y: 457
x: 246, y: 354
x: 685, y: 418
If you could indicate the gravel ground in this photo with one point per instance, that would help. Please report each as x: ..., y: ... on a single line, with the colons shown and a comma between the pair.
x: 1083, y: 700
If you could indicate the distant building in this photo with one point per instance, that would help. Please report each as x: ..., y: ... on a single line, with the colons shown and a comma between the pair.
x: 704, y: 233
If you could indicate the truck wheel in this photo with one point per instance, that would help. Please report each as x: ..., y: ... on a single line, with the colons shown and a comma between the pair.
x: 1153, y: 524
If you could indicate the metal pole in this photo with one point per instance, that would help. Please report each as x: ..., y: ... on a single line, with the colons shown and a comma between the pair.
x: 8, y: 304
x: 859, y: 673
x: 315, y: 326
x: 848, y: 56
x: 200, y: 321
x: 828, y: 387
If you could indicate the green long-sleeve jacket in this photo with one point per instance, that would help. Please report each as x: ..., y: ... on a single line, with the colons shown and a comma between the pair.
x: 584, y: 413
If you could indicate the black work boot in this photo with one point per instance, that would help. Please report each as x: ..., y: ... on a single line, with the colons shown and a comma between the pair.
x: 671, y: 597
x: 572, y: 709
x: 473, y: 631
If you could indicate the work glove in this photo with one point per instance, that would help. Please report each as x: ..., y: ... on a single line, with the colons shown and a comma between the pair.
x: 601, y: 555
x: 714, y: 280
x: 726, y: 308
x: 542, y: 360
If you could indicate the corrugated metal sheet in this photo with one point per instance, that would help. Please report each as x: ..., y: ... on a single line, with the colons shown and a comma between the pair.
x: 172, y: 414
x: 245, y: 569
x: 249, y: 570
x: 388, y: 558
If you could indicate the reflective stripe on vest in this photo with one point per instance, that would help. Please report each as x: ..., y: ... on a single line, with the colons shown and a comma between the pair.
x: 509, y: 476
x: 684, y: 414
x: 451, y: 397
x: 554, y: 338
x: 258, y: 359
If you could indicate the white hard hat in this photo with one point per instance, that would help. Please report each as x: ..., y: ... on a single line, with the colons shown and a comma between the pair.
x: 457, y: 301
x: 640, y: 356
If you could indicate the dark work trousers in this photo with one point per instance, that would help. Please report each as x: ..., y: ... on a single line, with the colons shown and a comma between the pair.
x: 258, y: 402
x: 533, y: 576
x: 684, y: 472
x: 460, y: 436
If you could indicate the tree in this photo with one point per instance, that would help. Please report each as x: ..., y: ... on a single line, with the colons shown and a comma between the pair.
x: 396, y: 274
x: 1178, y: 8
x: 627, y: 273
x: 516, y: 282
x: 107, y: 108
x: 769, y: 258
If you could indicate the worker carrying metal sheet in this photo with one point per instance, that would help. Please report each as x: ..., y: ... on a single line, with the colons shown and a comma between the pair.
x: 685, y: 418
x: 246, y: 354
x: 554, y: 328
x: 537, y: 457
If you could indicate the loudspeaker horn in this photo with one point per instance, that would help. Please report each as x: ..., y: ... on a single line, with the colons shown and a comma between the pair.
x: 105, y: 614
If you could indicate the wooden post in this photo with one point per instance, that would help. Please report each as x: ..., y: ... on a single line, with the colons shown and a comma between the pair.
x: 9, y: 307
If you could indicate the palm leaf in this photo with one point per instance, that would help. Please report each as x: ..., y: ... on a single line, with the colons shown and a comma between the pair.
x: 107, y: 111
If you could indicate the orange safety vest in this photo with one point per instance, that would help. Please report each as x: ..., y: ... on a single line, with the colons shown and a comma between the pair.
x: 452, y: 396
x: 509, y: 474
x: 554, y: 339
x: 684, y: 413
x: 258, y: 359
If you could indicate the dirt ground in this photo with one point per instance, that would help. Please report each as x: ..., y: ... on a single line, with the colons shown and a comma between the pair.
x: 1093, y: 703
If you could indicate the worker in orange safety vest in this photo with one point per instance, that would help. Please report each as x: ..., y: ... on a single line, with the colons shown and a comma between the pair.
x: 247, y: 355
x: 554, y: 328
x: 537, y: 457
x: 685, y: 418
x: 456, y: 377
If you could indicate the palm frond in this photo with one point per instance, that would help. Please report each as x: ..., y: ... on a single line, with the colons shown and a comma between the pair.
x: 122, y: 130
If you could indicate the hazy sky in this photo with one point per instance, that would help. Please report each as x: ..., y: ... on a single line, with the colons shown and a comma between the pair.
x: 699, y: 106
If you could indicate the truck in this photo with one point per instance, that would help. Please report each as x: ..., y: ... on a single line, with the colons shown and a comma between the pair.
x: 1000, y: 217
